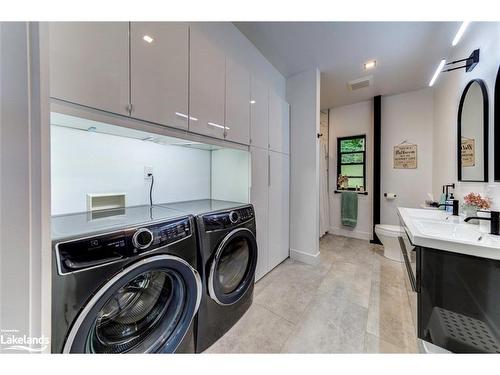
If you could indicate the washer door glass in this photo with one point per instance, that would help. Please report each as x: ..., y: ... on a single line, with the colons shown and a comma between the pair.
x: 132, y: 314
x: 233, y: 268
x: 147, y: 308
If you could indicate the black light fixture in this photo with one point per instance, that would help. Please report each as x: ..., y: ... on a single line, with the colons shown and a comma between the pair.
x: 470, y: 62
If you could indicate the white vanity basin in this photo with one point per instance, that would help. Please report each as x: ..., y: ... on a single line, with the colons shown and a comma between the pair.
x: 438, y: 229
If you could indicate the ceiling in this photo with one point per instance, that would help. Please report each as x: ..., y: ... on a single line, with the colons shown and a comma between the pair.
x: 407, y: 53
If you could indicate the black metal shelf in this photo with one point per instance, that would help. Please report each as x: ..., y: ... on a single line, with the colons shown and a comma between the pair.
x: 354, y: 191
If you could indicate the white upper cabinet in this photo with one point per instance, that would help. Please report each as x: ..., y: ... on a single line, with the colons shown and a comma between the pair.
x: 159, y: 72
x: 259, y: 114
x: 206, y: 86
x: 89, y: 64
x: 237, y: 103
x: 259, y: 199
x: 279, y: 124
x: 279, y: 208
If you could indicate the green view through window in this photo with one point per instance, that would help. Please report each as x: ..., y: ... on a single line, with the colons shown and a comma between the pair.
x: 351, y: 161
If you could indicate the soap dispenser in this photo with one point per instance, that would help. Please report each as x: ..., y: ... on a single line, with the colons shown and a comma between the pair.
x: 449, y: 202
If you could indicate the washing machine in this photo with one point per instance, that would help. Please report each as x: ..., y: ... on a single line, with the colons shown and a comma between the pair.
x: 125, y: 281
x: 228, y: 257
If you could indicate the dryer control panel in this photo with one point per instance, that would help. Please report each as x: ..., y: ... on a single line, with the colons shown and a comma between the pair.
x: 227, y: 219
x: 83, y: 253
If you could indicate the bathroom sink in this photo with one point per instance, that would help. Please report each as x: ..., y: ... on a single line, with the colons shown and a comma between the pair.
x: 438, y: 229
x: 451, y: 230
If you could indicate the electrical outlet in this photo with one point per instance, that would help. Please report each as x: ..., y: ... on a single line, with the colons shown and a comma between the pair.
x: 147, y: 171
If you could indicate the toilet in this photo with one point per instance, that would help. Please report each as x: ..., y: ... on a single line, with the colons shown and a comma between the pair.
x: 388, y: 235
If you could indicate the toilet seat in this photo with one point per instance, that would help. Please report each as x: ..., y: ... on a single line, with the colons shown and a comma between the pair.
x: 389, y: 230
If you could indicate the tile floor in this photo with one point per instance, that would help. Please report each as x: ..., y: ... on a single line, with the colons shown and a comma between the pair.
x: 353, y: 301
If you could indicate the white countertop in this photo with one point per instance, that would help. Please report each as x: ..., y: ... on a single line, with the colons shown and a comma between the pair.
x: 440, y: 230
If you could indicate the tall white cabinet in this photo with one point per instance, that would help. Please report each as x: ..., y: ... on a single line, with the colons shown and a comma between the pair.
x: 159, y: 72
x: 237, y: 121
x: 259, y: 114
x: 206, y: 86
x: 279, y: 195
x: 89, y: 64
x: 270, y: 178
x: 279, y: 113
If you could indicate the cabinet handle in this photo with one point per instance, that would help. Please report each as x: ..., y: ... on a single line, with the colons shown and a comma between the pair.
x: 268, y: 170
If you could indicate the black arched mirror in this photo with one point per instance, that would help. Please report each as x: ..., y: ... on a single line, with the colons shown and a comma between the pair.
x: 496, y: 129
x: 472, y: 140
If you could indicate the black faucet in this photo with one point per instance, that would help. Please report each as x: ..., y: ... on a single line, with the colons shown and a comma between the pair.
x: 445, y: 188
x: 494, y: 219
x: 454, y: 205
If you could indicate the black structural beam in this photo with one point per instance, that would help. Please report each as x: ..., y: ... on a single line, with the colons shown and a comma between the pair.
x: 377, y: 132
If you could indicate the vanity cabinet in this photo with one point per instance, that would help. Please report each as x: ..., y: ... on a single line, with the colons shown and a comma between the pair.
x: 206, y: 86
x: 159, y: 72
x: 89, y: 64
x: 259, y: 114
x: 237, y: 121
x: 458, y: 305
x: 279, y: 124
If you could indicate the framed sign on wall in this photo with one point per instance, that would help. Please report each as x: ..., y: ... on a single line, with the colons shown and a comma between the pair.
x: 405, y: 156
x: 468, y: 152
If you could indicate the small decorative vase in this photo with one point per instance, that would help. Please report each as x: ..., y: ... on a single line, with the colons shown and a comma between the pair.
x: 471, y: 211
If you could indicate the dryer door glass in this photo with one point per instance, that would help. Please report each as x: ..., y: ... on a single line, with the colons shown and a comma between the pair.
x: 148, y: 307
x: 233, y: 267
x: 233, y: 264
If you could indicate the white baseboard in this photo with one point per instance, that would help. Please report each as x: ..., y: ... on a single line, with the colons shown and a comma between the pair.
x: 307, y: 258
x: 353, y: 233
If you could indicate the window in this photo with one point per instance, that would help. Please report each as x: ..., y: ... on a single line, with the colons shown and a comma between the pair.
x: 351, y: 161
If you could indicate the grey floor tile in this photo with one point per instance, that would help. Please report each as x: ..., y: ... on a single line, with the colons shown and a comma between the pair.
x: 353, y: 301
x: 291, y: 290
x: 258, y: 331
x: 329, y: 326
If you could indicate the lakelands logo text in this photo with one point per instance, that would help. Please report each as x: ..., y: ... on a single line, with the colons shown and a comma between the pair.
x: 11, y: 340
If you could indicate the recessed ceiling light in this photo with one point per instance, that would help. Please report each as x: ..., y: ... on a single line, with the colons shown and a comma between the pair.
x: 252, y: 101
x: 148, y: 39
x: 460, y: 32
x: 436, y: 73
x: 370, y: 64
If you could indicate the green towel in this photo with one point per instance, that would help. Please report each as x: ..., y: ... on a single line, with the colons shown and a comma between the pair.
x: 349, y: 208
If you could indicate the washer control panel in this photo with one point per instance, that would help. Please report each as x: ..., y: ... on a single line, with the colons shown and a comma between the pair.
x: 227, y: 219
x: 79, y: 254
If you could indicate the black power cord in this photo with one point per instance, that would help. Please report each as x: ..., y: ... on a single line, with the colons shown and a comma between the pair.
x: 151, y: 188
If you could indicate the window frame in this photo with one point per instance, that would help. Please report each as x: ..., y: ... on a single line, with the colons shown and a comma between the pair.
x: 339, y: 159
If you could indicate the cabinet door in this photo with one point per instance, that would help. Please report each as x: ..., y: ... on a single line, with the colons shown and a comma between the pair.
x: 206, y: 86
x: 237, y: 103
x: 259, y: 199
x: 89, y: 64
x: 259, y: 114
x: 279, y: 123
x: 279, y: 222
x: 159, y: 72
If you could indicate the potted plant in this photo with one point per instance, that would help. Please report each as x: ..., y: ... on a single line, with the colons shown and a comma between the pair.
x: 473, y: 203
x: 343, y: 182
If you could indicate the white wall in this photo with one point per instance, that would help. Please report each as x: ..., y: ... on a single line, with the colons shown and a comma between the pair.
x: 354, y: 119
x: 407, y: 116
x: 231, y: 175
x: 88, y: 162
x: 25, y: 251
x: 303, y: 96
x: 447, y: 92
